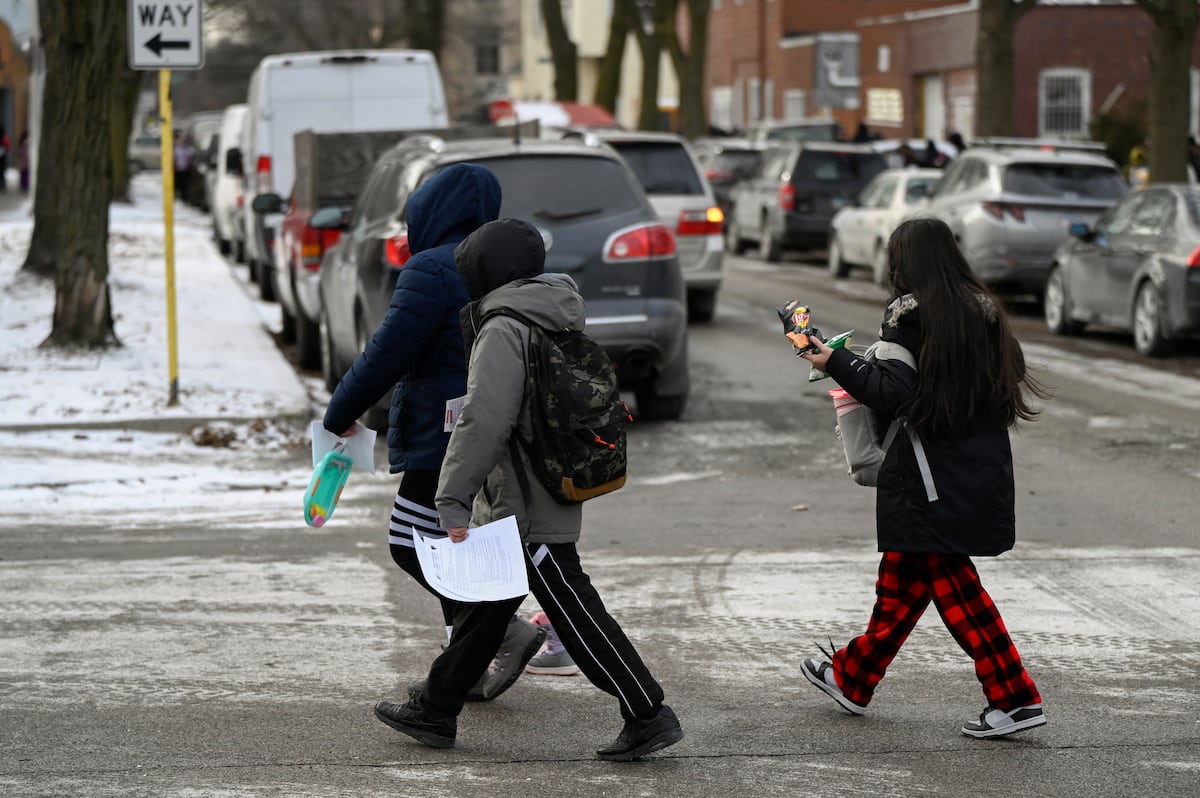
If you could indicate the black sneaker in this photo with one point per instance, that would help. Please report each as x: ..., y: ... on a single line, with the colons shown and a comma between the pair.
x: 411, y: 720
x: 521, y: 641
x: 821, y: 674
x: 997, y: 723
x: 641, y: 737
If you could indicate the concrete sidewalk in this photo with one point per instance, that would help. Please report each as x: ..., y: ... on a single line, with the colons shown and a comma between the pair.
x: 229, y: 368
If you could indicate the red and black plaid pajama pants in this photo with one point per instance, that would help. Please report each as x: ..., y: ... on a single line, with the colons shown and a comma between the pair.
x: 906, y: 585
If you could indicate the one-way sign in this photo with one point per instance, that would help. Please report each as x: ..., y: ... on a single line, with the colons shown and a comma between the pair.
x: 165, y: 34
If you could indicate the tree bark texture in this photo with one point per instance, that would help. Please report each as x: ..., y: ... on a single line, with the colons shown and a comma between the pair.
x: 994, y: 69
x: 608, y: 81
x: 70, y: 228
x: 562, y: 52
x: 1170, y: 83
x: 689, y: 67
x: 650, y: 28
x: 124, y: 102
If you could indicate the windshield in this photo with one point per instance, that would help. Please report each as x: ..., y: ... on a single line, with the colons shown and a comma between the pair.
x: 830, y: 166
x: 561, y: 187
x: 735, y: 163
x: 1070, y: 181
x: 662, y: 168
x: 818, y: 132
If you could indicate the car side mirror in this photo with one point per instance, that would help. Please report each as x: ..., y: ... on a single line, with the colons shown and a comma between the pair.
x: 1080, y: 230
x: 269, y: 203
x: 233, y: 162
x: 330, y: 219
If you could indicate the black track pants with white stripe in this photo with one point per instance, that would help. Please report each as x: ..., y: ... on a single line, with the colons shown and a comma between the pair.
x: 591, y: 636
x: 414, y: 507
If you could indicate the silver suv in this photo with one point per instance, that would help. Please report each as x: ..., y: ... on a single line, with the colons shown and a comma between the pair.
x: 1011, y: 206
x: 680, y: 194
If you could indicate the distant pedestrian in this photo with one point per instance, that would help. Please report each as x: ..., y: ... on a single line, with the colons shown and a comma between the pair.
x: 945, y: 489
x: 956, y: 139
x: 183, y: 154
x: 501, y: 265
x: 23, y: 161
x: 419, y: 349
x: 5, y: 149
x: 863, y: 134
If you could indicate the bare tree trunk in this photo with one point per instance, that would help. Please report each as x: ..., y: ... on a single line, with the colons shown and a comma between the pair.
x: 425, y: 25
x: 562, y: 52
x: 649, y: 27
x: 124, y: 102
x: 689, y: 67
x: 608, y: 82
x: 1170, y: 82
x: 70, y: 228
x: 994, y: 69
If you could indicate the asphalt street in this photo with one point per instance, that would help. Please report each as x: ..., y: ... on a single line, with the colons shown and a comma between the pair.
x: 196, y: 639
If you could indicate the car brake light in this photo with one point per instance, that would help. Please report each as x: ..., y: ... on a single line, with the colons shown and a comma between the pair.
x: 713, y: 174
x: 700, y: 223
x: 640, y: 242
x: 1193, y: 260
x: 263, y: 173
x: 312, y: 247
x: 396, y: 251
x: 997, y: 210
x: 241, y: 200
x: 787, y: 197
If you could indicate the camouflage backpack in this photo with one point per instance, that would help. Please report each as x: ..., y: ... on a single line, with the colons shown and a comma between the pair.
x: 577, y: 450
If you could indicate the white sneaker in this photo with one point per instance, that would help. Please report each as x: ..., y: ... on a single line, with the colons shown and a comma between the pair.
x: 997, y: 722
x: 821, y: 675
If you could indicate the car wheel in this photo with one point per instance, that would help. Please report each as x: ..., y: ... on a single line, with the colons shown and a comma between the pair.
x: 308, y: 343
x: 652, y: 406
x: 1056, y: 308
x: 701, y: 305
x: 837, y: 267
x: 734, y: 242
x: 768, y: 247
x: 224, y: 246
x: 1148, y: 338
x: 330, y: 372
x: 265, y: 279
x: 288, y: 323
x: 879, y: 265
x: 239, y: 251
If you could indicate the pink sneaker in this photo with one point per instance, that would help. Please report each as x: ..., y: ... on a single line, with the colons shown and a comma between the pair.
x: 553, y: 659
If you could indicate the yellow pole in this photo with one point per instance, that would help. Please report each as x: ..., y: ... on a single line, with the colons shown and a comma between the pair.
x: 167, y: 142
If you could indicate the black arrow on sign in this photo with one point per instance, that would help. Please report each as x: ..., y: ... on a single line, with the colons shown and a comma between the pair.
x: 158, y: 44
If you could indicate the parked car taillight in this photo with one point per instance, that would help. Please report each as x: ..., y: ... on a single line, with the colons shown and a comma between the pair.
x: 713, y: 174
x: 998, y: 209
x: 700, y: 223
x: 263, y: 174
x: 787, y: 197
x: 314, y: 244
x: 396, y: 251
x: 1193, y: 260
x: 640, y: 242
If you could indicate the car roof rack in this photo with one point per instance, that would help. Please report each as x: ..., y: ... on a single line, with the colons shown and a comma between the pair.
x: 1044, y: 144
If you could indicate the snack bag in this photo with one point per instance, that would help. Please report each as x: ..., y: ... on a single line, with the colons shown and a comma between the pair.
x: 798, y: 327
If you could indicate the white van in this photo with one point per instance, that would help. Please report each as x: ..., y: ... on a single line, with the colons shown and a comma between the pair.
x: 227, y: 184
x: 341, y: 91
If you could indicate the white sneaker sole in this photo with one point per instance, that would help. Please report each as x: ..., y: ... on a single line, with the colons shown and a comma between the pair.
x: 1012, y: 728
x: 834, y: 693
x: 555, y: 670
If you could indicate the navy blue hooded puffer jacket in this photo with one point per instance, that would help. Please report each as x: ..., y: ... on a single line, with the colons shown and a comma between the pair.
x: 419, y: 347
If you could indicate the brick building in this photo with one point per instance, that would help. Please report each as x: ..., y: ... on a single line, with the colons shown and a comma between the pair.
x: 915, y: 64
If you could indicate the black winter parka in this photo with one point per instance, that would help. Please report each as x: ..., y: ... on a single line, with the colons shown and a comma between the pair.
x: 974, y: 513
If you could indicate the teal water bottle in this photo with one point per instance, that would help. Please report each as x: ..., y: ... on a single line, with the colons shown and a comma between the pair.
x: 325, y: 488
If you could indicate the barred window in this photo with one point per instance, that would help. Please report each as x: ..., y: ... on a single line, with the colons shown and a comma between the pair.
x: 1064, y: 102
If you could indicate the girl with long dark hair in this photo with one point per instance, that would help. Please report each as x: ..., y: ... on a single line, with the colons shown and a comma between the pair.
x: 945, y: 489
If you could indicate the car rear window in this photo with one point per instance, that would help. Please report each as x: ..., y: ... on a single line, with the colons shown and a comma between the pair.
x: 831, y: 166
x: 736, y: 163
x: 1064, y: 180
x: 563, y: 186
x: 662, y: 168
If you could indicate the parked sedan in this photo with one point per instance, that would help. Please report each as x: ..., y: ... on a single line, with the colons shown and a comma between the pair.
x: 598, y: 227
x: 726, y: 163
x: 1138, y: 269
x: 859, y: 233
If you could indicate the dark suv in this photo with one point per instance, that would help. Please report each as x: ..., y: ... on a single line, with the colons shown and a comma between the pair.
x: 598, y: 227
x: 789, y: 203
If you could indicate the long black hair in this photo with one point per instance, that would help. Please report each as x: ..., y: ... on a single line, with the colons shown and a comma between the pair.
x: 972, y: 370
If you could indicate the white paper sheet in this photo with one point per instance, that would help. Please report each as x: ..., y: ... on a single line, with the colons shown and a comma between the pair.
x: 454, y: 409
x: 488, y: 566
x: 360, y: 448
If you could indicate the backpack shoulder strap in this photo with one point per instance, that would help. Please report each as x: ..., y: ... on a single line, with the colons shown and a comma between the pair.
x: 889, y: 350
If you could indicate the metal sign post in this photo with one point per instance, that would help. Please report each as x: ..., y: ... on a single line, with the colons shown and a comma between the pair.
x: 164, y: 36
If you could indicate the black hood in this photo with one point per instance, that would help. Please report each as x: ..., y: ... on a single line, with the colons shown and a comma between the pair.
x: 498, y: 253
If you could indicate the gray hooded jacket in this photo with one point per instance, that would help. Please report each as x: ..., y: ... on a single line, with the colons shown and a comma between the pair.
x: 478, y: 481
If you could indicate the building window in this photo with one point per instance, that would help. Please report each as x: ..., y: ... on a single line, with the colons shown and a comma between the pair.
x: 487, y: 59
x: 754, y: 96
x: 1064, y: 102
x: 793, y: 104
x: 720, y: 107
x: 768, y: 99
x: 738, y: 117
x: 1194, y: 116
